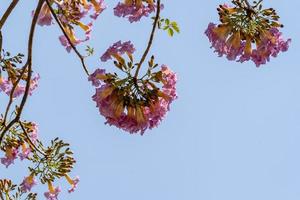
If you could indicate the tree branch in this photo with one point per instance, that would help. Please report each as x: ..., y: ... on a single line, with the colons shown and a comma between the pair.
x: 150, y: 40
x: 8, y: 12
x: 29, y: 140
x: 81, y: 57
x: 1, y: 40
x: 29, y: 65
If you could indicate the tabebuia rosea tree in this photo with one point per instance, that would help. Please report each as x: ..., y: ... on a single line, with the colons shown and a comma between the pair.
x: 134, y: 96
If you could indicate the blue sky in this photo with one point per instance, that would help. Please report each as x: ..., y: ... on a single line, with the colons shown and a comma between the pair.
x: 233, y: 133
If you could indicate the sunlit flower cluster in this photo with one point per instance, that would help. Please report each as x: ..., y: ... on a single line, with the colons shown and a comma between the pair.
x: 130, y: 103
x: 71, y: 14
x: 15, y: 147
x: 134, y: 10
x: 247, y: 33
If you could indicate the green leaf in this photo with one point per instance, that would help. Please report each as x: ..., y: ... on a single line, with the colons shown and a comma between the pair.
x: 170, y: 32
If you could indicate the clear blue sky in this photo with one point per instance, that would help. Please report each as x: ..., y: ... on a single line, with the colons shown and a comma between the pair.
x: 233, y: 134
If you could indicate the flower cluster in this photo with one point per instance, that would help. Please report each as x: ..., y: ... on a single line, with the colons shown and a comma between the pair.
x: 118, y: 48
x: 134, y: 104
x: 16, y: 146
x: 12, y: 79
x: 134, y: 10
x: 72, y: 13
x: 52, y: 162
x: 243, y: 27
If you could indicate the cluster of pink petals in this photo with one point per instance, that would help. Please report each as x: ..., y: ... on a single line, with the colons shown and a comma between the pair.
x: 6, y: 86
x: 25, y: 152
x: 10, y: 156
x: 132, y: 11
x: 12, y: 152
x: 94, y: 7
x: 28, y: 183
x: 33, y: 133
x: 75, y: 41
x: 269, y: 46
x: 118, y: 48
x: 147, y: 117
x: 91, y: 8
x: 52, y: 195
x: 45, y: 16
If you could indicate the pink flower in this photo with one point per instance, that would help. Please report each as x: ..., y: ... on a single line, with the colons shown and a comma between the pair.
x: 25, y: 152
x: 33, y: 133
x: 64, y: 42
x: 10, y: 155
x: 4, y: 85
x: 45, y: 17
x: 133, y: 10
x: 28, y: 183
x: 134, y: 117
x: 20, y: 88
x: 224, y: 42
x: 34, y: 83
x: 98, y: 7
x: 53, y: 192
x: 118, y: 48
x: 73, y: 182
x: 97, y: 77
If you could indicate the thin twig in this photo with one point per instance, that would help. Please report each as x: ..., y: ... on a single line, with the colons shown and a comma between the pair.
x: 1, y: 40
x: 29, y: 65
x: 8, y: 12
x: 150, y: 40
x: 29, y: 140
x: 81, y: 57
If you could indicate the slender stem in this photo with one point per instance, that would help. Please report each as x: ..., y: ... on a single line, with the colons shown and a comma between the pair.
x: 150, y: 40
x: 29, y: 65
x: 1, y: 40
x: 8, y: 12
x: 29, y: 140
x: 81, y: 57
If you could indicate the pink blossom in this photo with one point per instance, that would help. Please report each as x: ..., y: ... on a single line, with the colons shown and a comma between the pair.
x: 10, y: 155
x: 45, y: 16
x: 270, y: 45
x: 28, y: 183
x: 33, y: 133
x: 64, y: 42
x: 25, y: 152
x: 98, y: 7
x: 4, y: 85
x: 133, y: 11
x: 73, y: 182
x: 20, y: 88
x: 135, y: 118
x: 118, y: 48
x: 53, y: 192
x: 94, y: 77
